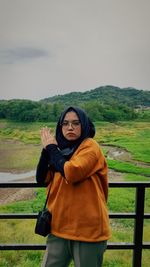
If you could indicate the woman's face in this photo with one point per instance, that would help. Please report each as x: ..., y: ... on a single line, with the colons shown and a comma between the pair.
x: 71, y: 126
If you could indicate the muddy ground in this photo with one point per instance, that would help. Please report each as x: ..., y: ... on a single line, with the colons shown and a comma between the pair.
x: 9, y: 195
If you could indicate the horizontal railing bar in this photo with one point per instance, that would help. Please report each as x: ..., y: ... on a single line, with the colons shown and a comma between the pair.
x: 122, y: 215
x: 113, y: 245
x: 147, y: 216
x: 36, y: 246
x: 34, y: 215
x: 127, y: 215
x: 22, y: 247
x: 146, y: 245
x: 20, y: 185
x: 123, y: 245
x: 18, y: 216
x: 129, y: 184
x: 111, y: 184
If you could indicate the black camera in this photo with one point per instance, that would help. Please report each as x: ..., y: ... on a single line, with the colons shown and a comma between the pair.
x: 43, y: 223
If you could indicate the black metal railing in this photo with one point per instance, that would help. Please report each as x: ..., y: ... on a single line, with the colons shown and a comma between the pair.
x: 137, y: 246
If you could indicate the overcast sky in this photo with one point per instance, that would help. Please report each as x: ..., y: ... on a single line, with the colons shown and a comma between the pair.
x: 50, y: 47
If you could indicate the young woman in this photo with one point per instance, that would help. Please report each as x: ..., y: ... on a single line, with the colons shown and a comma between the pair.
x: 74, y: 165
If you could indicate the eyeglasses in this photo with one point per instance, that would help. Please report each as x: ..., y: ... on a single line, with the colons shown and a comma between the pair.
x: 74, y: 124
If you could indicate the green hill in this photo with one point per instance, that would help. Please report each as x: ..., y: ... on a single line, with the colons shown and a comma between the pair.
x: 105, y: 95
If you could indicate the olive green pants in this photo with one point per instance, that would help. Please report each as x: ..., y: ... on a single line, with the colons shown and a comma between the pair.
x: 60, y: 252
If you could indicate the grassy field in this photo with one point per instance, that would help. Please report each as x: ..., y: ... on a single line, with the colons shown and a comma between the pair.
x: 134, y: 136
x: 20, y: 149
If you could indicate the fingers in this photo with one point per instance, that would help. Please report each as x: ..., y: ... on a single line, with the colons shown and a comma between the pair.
x: 45, y: 132
x: 46, y: 137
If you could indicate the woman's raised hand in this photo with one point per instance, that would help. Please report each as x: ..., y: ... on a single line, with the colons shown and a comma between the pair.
x: 47, y: 137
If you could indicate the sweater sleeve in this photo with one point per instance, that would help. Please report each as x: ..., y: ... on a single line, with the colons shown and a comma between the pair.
x: 42, y: 167
x: 56, y: 158
x: 87, y: 160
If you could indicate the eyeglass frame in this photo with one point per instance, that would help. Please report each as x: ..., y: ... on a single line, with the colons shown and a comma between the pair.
x: 74, y: 124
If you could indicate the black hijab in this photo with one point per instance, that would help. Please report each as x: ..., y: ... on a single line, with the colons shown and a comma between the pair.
x: 87, y: 130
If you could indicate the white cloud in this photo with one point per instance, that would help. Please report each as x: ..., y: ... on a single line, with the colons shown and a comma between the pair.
x: 14, y: 55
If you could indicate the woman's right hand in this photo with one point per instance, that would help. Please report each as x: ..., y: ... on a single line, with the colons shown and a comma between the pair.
x: 47, y: 138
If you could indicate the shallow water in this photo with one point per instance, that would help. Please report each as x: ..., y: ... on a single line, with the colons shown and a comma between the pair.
x: 10, y: 177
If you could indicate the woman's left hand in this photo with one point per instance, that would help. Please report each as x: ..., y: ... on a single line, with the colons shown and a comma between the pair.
x: 47, y: 137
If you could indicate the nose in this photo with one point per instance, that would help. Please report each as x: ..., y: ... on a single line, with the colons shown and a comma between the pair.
x: 70, y: 126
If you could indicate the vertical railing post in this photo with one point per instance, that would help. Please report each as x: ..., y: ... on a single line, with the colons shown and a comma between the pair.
x: 138, y: 228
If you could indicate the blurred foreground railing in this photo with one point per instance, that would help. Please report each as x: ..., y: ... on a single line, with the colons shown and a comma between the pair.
x: 137, y: 246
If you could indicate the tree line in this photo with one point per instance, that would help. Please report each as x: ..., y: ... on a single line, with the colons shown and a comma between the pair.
x: 31, y: 111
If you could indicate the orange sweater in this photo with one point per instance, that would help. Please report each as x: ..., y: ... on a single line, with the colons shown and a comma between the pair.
x: 78, y: 202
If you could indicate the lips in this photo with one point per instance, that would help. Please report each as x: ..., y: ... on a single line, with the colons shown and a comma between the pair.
x: 71, y: 134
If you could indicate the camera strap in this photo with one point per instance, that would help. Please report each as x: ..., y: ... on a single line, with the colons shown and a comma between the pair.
x: 47, y: 195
